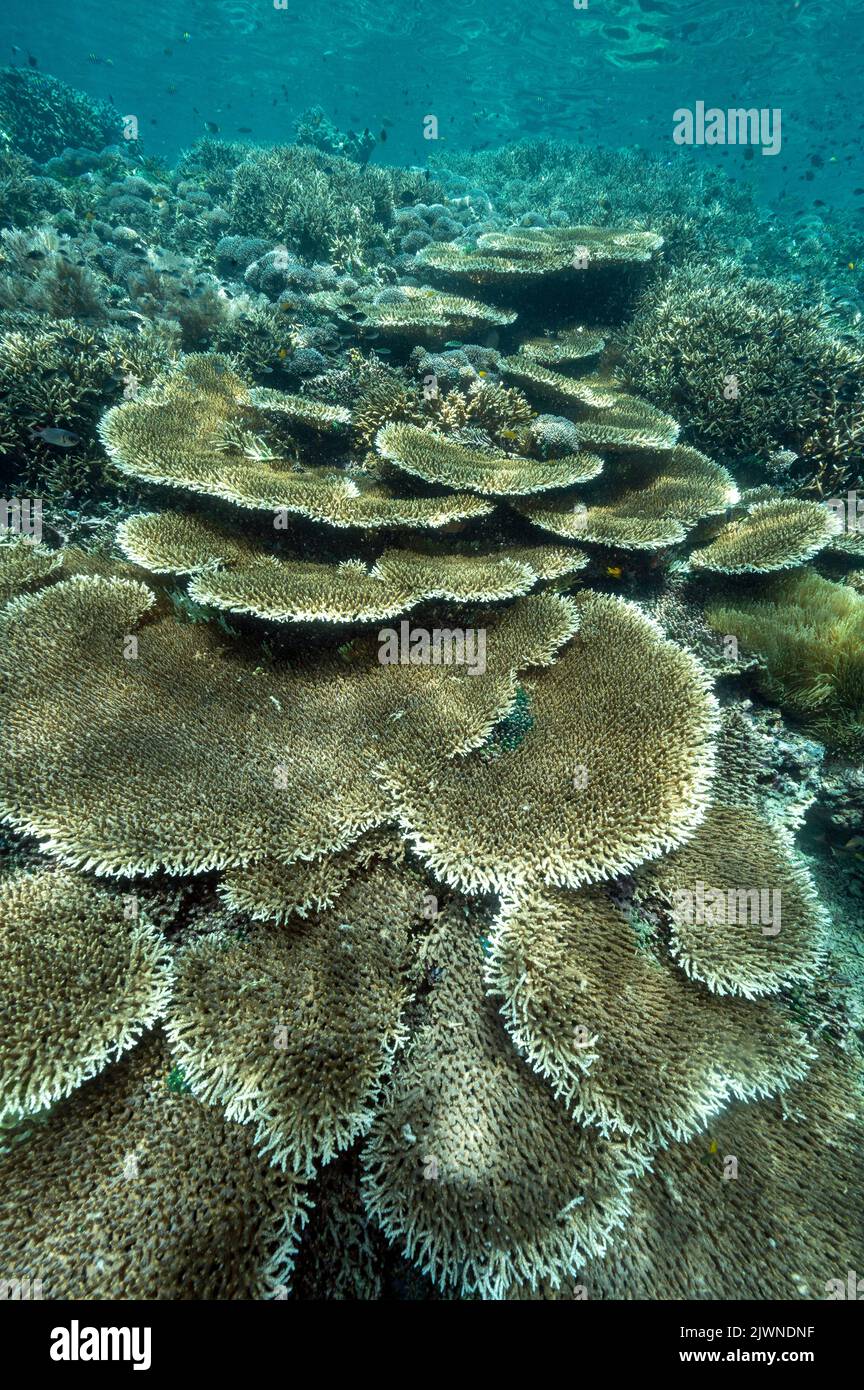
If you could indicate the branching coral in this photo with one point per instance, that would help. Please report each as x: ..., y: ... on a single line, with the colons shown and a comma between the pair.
x: 747, y: 369
x: 44, y: 116
x: 59, y: 373
x: 79, y: 983
x: 319, y: 204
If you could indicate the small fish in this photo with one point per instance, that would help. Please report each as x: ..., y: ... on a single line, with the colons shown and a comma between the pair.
x: 614, y: 571
x: 31, y: 61
x: 61, y: 439
x: 383, y: 137
x: 481, y: 373
x: 851, y: 265
x: 212, y: 127
x: 244, y: 130
x: 508, y: 434
x: 282, y: 353
x: 712, y: 1147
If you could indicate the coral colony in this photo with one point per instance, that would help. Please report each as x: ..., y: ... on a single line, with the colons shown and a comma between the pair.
x: 431, y: 721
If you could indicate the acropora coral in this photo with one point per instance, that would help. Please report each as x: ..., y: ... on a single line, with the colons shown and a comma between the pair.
x: 323, y: 962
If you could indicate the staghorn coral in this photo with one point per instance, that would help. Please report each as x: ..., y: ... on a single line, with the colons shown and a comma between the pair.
x: 320, y: 205
x: 736, y: 945
x: 550, y: 810
x: 747, y: 369
x: 44, y: 274
x: 385, y: 395
x: 62, y: 373
x: 437, y: 459
x: 808, y: 633
x: 470, y: 1165
x: 772, y: 536
x: 128, y: 1189
x: 492, y: 413
x: 315, y: 1019
x: 625, y: 1041
x: 24, y: 199
x: 653, y: 512
x: 80, y: 983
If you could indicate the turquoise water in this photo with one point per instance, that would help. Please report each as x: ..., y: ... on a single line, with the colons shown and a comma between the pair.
x: 610, y: 74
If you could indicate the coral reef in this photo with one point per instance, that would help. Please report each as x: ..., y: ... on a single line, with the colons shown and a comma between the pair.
x: 80, y: 983
x: 310, y: 1043
x: 159, y: 1172
x: 772, y: 536
x: 44, y: 116
x: 751, y: 370
x: 493, y: 963
x: 808, y: 633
